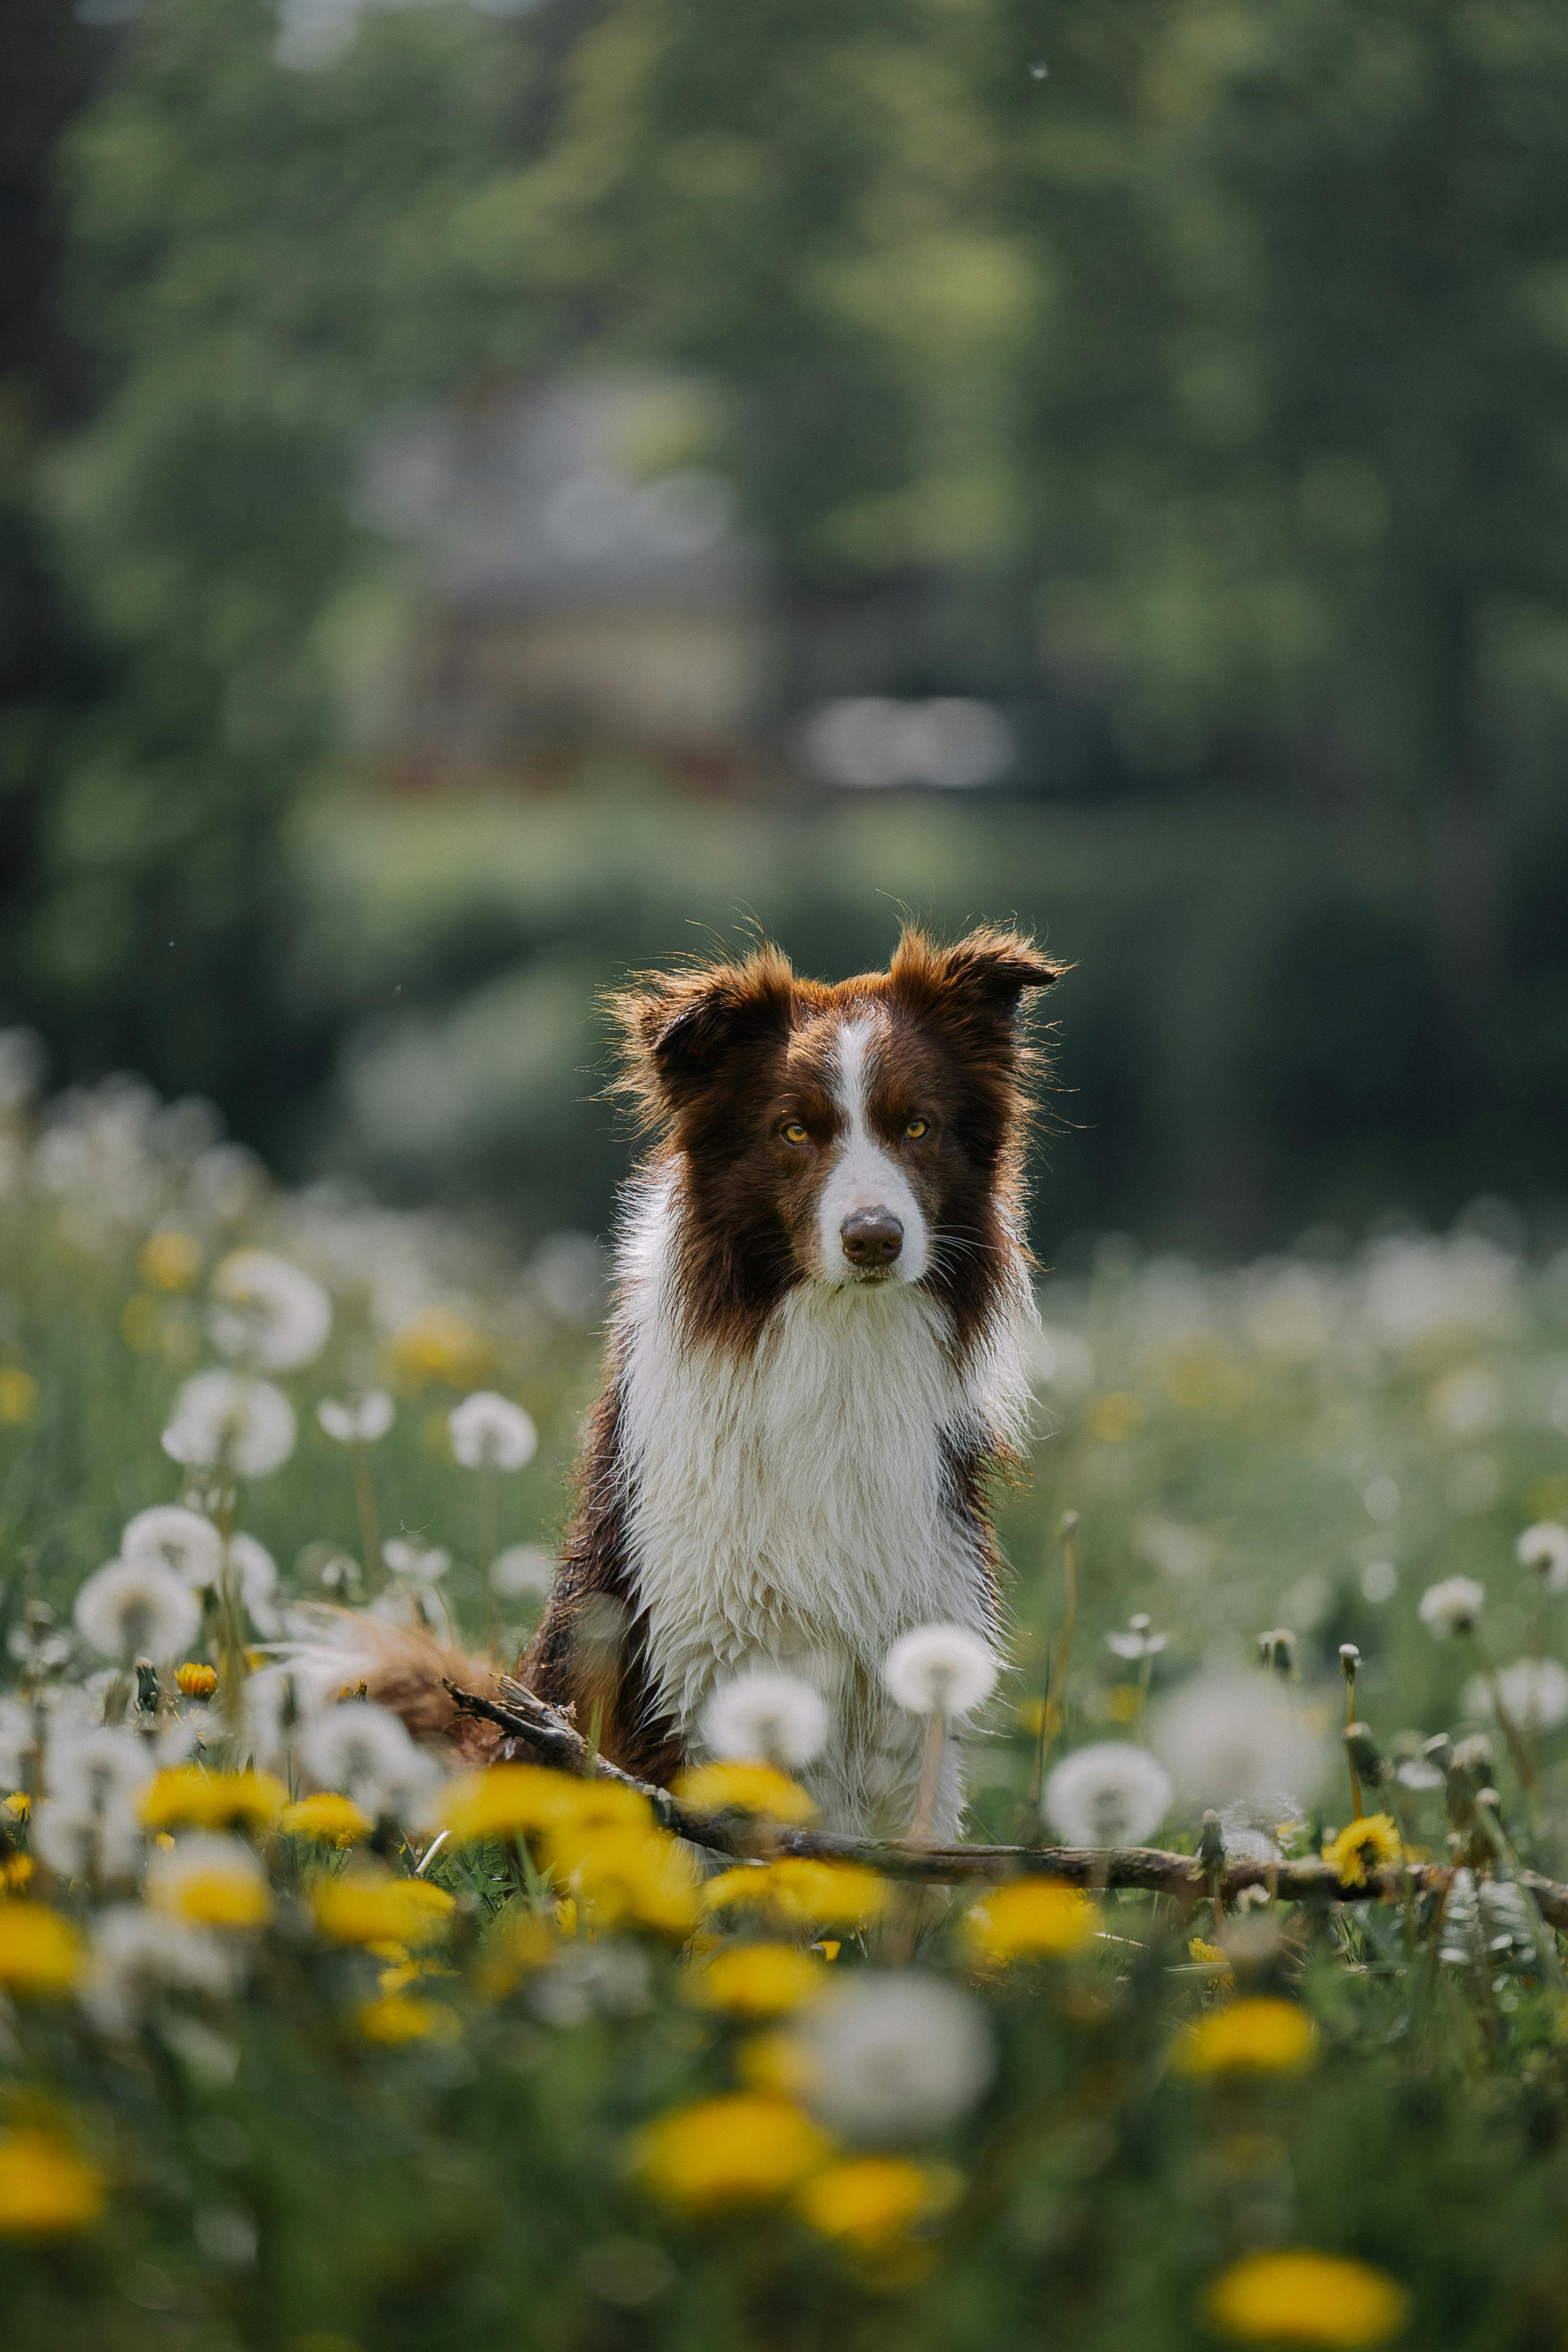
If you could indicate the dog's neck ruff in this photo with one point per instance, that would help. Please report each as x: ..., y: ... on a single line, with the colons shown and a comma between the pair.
x: 800, y: 1501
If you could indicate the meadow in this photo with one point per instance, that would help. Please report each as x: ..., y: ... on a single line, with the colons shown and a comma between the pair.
x: 308, y: 2046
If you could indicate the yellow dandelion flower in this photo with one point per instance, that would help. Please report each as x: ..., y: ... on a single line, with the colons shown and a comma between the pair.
x: 15, y: 1873
x: 359, y: 1908
x: 1260, y: 2035
x: 187, y: 1797
x: 1298, y: 2296
x: 603, y: 1805
x: 439, y: 1345
x: 528, y: 1799
x: 1211, y: 1955
x: 737, y: 1788
x: 800, y: 1893
x: 643, y: 1875
x: 39, y: 1951
x: 758, y: 1979
x: 1030, y: 1918
x: 193, y: 1680
x: 737, y: 2150
x: 806, y: 1894
x: 19, y: 1394
x: 776, y: 2065
x: 20, y: 1806
x: 734, y: 1887
x: 46, y: 2188
x: 170, y: 1261
x: 213, y: 1881
x: 1115, y: 1416
x: 1372, y: 1842
x: 328, y: 1818
x: 394, y: 2019
x: 868, y: 2203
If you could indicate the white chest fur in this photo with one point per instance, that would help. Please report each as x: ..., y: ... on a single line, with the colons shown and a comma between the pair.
x: 796, y: 1504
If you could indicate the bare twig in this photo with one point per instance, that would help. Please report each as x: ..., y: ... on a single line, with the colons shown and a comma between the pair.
x: 540, y: 1731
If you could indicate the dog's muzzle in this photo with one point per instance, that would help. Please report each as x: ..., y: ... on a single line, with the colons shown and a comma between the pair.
x: 871, y: 1239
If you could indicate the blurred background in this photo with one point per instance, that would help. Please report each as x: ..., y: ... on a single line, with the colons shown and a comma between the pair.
x: 492, y: 494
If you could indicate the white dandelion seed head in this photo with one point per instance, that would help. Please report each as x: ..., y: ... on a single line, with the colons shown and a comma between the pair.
x: 184, y: 1540
x: 609, y: 1978
x: 1137, y: 1642
x: 894, y: 2055
x: 138, y: 1954
x: 137, y: 1609
x: 521, y: 1570
x: 360, y: 1420
x: 769, y: 1715
x: 253, y: 1573
x: 1452, y: 1606
x: 81, y: 1840
x: 362, y: 1750
x: 278, y: 1703
x: 1533, y: 1690
x: 1544, y: 1547
x: 1237, y: 1740
x: 1106, y: 1795
x: 268, y: 1313
x: 940, y: 1670
x: 1246, y: 1840
x: 198, y: 1853
x: 16, y: 1738
x: 95, y: 1767
x: 491, y: 1432
x: 222, y: 1417
x: 419, y: 1563
x: 55, y: 1716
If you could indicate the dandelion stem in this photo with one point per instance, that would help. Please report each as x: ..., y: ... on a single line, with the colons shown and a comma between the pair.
x: 490, y: 1544
x: 1350, y: 1659
x: 1517, y: 1748
x: 1066, y: 1534
x: 369, y: 1525
x: 931, y: 1777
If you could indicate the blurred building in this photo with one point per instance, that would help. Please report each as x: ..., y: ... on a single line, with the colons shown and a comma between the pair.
x: 582, y: 578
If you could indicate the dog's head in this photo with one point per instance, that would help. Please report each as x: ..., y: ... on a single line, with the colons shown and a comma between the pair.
x: 865, y: 1134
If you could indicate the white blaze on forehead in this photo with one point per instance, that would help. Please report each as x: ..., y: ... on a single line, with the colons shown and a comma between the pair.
x: 863, y: 1175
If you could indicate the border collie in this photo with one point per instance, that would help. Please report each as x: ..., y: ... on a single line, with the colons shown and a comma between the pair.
x: 814, y: 1365
x: 816, y: 1358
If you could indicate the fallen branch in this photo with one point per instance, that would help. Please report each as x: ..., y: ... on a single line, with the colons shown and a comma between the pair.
x: 542, y: 1731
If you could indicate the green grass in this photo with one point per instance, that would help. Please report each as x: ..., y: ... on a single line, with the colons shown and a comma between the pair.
x: 1241, y: 1448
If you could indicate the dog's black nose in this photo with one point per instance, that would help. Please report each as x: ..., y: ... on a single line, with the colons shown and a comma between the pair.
x: 871, y: 1237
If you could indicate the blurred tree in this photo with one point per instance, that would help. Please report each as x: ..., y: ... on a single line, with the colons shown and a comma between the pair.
x: 262, y: 259
x: 1327, y: 503
x: 50, y: 671
x: 1240, y: 336
x: 1206, y: 360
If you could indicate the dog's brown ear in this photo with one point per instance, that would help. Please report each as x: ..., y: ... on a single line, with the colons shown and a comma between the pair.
x: 984, y: 974
x: 682, y: 1027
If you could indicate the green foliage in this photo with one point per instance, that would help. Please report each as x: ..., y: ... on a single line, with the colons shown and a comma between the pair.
x: 1240, y: 1449
x: 1208, y: 379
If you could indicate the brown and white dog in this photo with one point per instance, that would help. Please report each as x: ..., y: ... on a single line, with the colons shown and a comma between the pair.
x: 815, y: 1357
x: 814, y: 1362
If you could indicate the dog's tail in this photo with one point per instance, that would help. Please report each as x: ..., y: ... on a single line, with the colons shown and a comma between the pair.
x: 402, y: 1667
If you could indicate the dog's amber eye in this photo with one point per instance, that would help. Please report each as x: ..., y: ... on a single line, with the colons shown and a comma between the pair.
x: 793, y: 1133
x: 917, y: 1128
